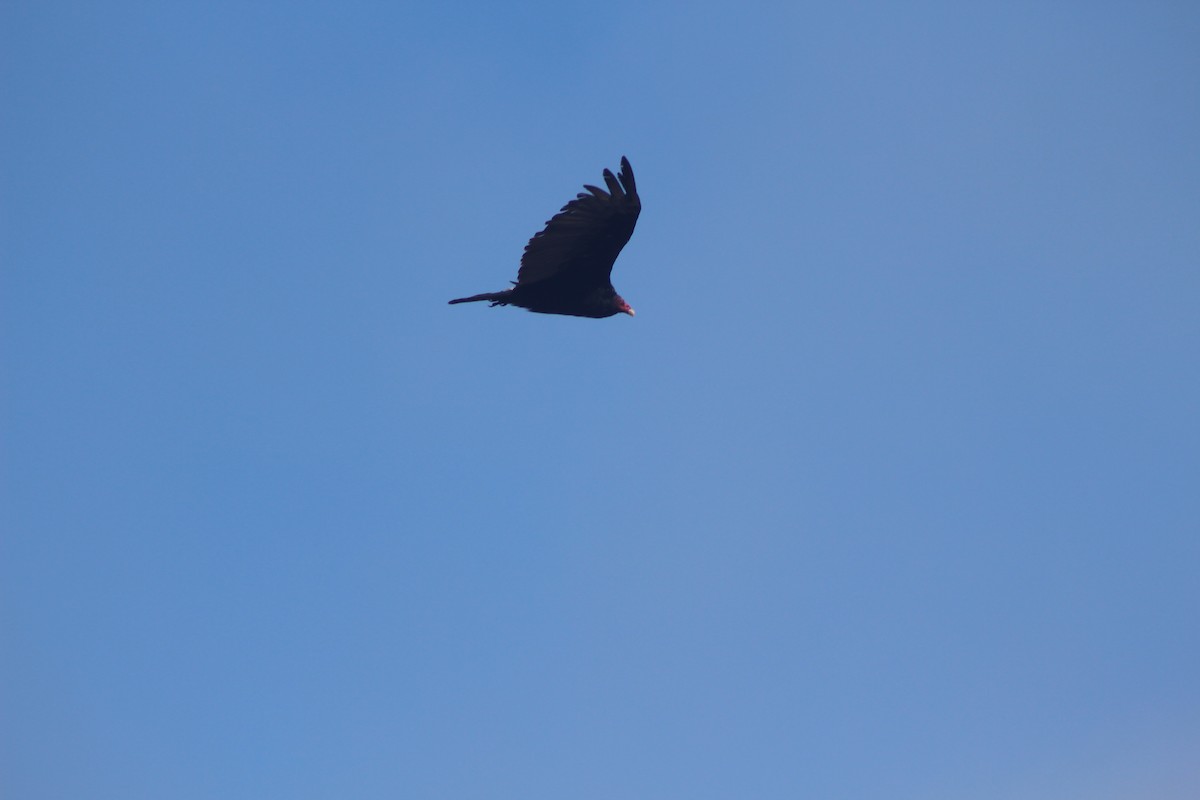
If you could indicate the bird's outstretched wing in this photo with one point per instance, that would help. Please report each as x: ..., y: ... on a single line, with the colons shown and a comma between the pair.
x: 585, y: 237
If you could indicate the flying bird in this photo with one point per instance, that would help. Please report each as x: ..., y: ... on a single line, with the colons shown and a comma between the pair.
x: 567, y: 266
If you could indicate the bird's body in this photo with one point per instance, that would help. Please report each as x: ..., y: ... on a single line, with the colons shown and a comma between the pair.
x: 566, y: 266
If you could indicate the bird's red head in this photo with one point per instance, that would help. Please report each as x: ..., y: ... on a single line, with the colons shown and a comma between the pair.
x: 623, y: 307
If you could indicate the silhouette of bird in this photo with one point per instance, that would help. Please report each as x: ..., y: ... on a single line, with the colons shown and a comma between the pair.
x: 567, y: 266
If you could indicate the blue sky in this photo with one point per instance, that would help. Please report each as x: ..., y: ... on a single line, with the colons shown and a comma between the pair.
x: 889, y: 490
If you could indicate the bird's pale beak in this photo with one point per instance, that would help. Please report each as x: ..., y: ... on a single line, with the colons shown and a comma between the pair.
x: 629, y: 311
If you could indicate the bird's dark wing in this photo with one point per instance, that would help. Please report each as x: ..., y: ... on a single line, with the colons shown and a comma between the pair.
x: 587, y: 235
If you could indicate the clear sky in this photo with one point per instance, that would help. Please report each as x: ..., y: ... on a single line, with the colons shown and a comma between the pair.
x: 890, y: 490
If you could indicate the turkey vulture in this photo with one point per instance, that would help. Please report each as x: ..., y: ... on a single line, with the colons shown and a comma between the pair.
x: 566, y: 267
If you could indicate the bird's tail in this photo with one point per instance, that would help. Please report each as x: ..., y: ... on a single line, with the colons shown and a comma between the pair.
x: 494, y: 297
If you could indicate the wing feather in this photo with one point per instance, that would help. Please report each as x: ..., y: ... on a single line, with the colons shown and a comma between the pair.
x: 586, y: 236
